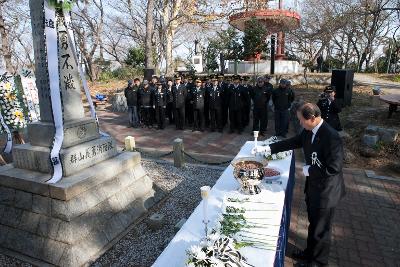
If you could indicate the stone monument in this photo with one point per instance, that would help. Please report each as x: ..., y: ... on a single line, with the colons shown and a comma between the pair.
x: 102, y: 191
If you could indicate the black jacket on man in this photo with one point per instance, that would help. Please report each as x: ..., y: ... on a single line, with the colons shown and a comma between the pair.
x: 215, y: 102
x: 131, y: 94
x: 236, y: 103
x: 282, y: 98
x: 179, y: 94
x: 261, y: 96
x: 324, y: 186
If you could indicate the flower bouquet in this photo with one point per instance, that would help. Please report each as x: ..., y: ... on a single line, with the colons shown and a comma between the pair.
x: 217, y: 251
x: 277, y: 156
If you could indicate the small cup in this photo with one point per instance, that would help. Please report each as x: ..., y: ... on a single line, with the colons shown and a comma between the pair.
x: 255, y: 134
x: 205, y: 191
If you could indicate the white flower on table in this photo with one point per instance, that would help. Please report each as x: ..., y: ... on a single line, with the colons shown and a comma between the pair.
x: 214, y: 237
x: 201, y: 255
x: 194, y: 250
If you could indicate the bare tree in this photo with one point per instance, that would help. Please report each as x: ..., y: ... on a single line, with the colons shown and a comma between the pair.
x: 149, y: 35
x: 88, y: 25
x: 5, y: 46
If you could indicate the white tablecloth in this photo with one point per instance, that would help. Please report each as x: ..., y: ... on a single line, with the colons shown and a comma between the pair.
x: 193, y: 230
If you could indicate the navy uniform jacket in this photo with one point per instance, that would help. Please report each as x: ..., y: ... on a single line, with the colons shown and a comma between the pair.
x: 215, y: 97
x: 324, y: 185
x: 329, y: 112
x: 179, y: 95
x: 198, y: 97
x: 160, y: 99
x: 236, y: 97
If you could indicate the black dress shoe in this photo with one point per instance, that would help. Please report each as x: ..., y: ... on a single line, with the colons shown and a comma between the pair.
x: 299, y: 255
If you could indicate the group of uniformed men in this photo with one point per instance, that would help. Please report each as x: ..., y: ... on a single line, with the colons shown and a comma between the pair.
x: 210, y: 102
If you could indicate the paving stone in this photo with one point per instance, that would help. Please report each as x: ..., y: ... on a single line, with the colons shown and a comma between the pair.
x: 29, y: 221
x: 41, y: 205
x: 7, y: 196
x: 11, y: 216
x: 52, y: 251
x: 48, y: 227
x: 23, y: 200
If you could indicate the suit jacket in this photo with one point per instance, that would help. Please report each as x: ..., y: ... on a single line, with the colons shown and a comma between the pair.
x: 324, y: 185
x: 198, y: 98
x: 179, y: 95
x: 215, y: 97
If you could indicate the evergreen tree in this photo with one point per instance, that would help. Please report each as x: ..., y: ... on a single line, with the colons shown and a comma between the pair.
x: 254, y: 38
x: 135, y: 57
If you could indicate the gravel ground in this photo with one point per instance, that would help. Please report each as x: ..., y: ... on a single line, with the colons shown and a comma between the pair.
x: 141, y: 246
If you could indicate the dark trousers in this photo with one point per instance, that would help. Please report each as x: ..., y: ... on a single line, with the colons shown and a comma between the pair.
x: 224, y: 114
x: 319, y: 233
x: 260, y: 119
x: 281, y: 122
x: 189, y: 113
x: 146, y: 115
x: 216, y: 119
x: 179, y: 116
x: 170, y: 112
x: 235, y: 120
x: 246, y: 115
x: 206, y: 115
x: 198, y: 123
x: 160, y: 116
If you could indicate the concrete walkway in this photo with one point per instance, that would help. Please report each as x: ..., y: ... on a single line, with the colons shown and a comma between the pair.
x: 366, y: 229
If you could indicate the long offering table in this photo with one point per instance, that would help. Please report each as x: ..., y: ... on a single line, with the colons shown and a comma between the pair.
x: 276, y: 197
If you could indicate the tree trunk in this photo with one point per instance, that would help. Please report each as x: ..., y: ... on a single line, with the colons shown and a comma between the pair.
x: 5, y: 47
x: 149, y: 34
x: 168, y: 54
x: 170, y: 33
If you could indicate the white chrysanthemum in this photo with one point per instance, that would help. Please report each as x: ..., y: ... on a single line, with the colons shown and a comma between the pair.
x: 214, y: 237
x: 190, y: 265
x: 194, y: 250
x: 201, y: 255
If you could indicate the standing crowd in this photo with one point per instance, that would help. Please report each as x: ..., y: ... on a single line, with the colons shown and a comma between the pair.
x: 216, y: 102
x: 213, y: 102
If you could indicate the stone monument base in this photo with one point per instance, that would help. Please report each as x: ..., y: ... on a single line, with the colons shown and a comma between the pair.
x: 69, y: 223
x: 73, y: 159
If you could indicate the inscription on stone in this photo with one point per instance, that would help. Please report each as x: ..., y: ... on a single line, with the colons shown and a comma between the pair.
x: 81, y: 132
x: 91, y: 152
x: 69, y: 75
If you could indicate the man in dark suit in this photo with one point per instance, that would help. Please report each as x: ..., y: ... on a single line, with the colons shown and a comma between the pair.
x: 235, y: 105
x: 261, y: 95
x: 198, y: 93
x: 214, y: 96
x: 324, y: 188
x: 179, y: 95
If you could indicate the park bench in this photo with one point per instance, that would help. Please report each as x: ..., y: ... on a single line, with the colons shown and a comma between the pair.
x: 393, y: 100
